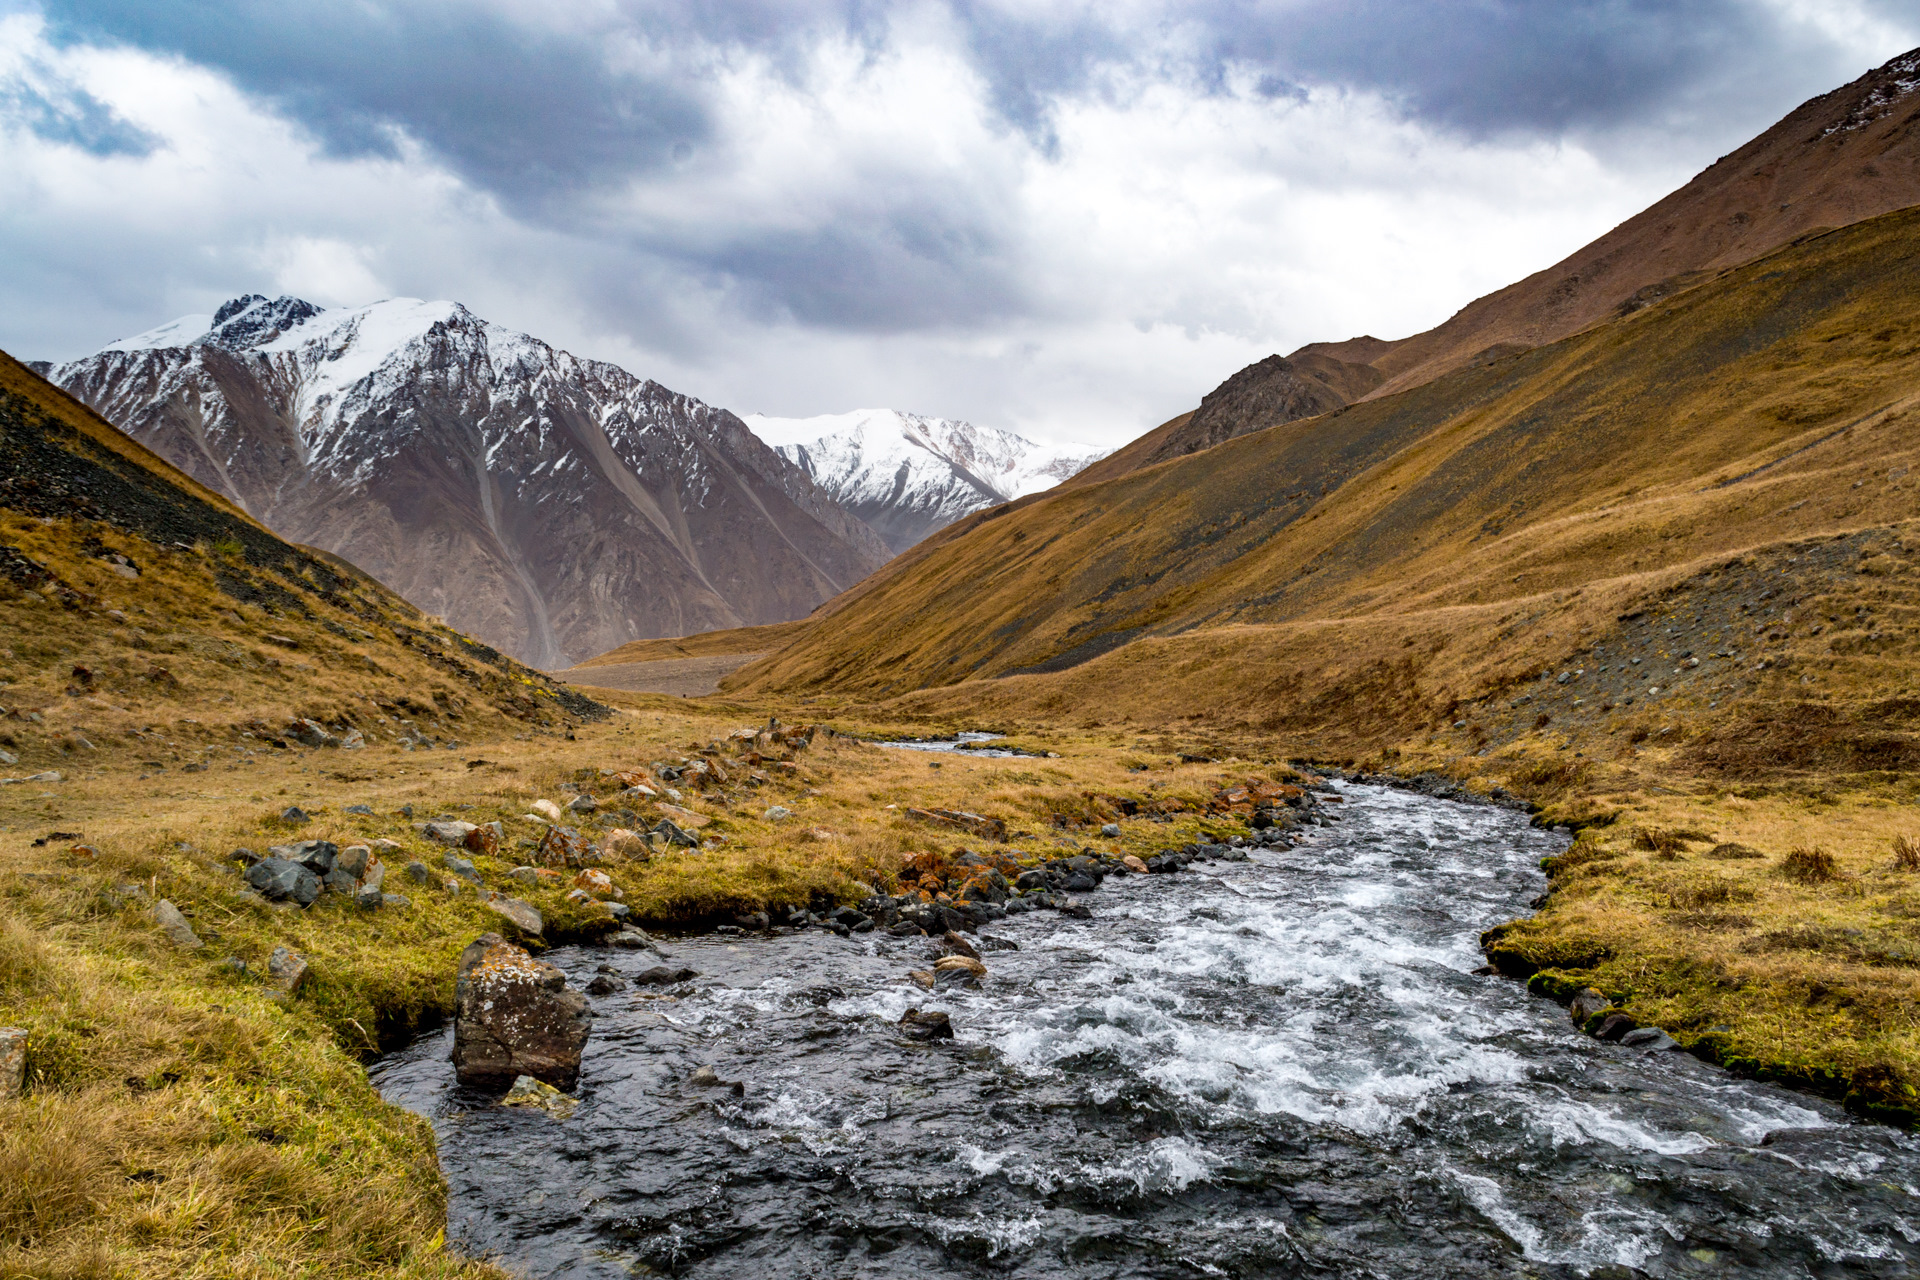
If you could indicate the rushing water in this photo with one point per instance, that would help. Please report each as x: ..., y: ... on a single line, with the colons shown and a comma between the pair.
x: 1270, y: 1068
x: 966, y: 742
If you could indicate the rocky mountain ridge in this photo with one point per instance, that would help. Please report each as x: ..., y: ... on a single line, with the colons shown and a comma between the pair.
x: 907, y: 474
x: 554, y: 506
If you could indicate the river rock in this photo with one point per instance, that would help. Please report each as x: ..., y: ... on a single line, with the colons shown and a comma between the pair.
x: 174, y: 925
x: 1649, y: 1038
x: 1134, y: 865
x: 1615, y: 1026
x: 287, y: 969
x: 631, y: 939
x: 605, y: 984
x: 1587, y: 1002
x: 279, y: 879
x: 13, y: 1061
x: 930, y: 1025
x: 523, y: 916
x: 957, y: 945
x: 528, y: 1092
x: 661, y: 976
x: 515, y: 1016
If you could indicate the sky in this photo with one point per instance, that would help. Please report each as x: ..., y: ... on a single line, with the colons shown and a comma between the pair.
x: 1070, y: 219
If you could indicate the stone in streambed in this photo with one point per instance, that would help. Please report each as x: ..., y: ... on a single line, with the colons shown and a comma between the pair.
x: 1587, y: 1002
x: 528, y: 1092
x: 930, y: 1025
x: 661, y: 976
x: 515, y: 1016
x: 1615, y: 1026
x: 605, y: 984
x: 1649, y: 1038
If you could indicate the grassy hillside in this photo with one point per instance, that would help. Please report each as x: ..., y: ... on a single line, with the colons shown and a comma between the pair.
x: 1737, y: 415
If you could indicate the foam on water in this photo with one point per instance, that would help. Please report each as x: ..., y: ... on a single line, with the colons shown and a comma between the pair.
x: 1267, y: 1067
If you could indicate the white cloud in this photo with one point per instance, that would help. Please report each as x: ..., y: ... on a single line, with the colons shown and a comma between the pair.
x: 1083, y: 288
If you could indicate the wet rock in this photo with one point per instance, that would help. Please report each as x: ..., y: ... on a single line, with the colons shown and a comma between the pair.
x: 922, y: 977
x: 1649, y: 1038
x: 1587, y: 1002
x: 929, y: 1025
x: 13, y: 1061
x: 286, y: 969
x: 661, y: 976
x: 605, y: 985
x: 960, y: 964
x: 453, y: 833
x: 907, y: 929
x: 1076, y: 909
x: 706, y: 1078
x: 1615, y: 1026
x: 1033, y: 881
x: 990, y: 943
x: 515, y: 1016
x: 957, y: 945
x: 758, y: 922
x: 279, y: 879
x: 1134, y: 865
x: 631, y: 939
x: 523, y: 916
x: 174, y: 925
x: 540, y: 1096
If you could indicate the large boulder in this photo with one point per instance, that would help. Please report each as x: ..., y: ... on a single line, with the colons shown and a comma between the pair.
x: 515, y: 1016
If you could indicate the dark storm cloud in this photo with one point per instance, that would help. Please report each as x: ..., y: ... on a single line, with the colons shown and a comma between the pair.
x: 546, y: 109
x: 67, y: 115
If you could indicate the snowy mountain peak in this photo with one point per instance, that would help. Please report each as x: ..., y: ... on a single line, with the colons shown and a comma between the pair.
x: 907, y: 474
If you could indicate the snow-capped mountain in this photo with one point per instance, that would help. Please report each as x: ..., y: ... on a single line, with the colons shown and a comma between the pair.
x: 555, y: 507
x: 908, y: 475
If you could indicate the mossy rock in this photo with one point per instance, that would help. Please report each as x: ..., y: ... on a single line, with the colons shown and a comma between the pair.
x: 1559, y: 987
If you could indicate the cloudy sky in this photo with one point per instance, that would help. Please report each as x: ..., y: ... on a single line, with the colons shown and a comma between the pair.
x: 1069, y: 218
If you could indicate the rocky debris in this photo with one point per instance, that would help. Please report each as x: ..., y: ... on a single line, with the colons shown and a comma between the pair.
x: 462, y: 868
x: 515, y: 1016
x: 1111, y: 831
x: 562, y: 847
x: 929, y: 1025
x: 674, y: 835
x: 317, y: 856
x: 706, y: 1078
x: 540, y: 1096
x: 453, y: 833
x: 310, y: 733
x: 684, y: 819
x: 661, y: 976
x: 281, y: 879
x: 523, y: 916
x: 1586, y: 1003
x: 286, y: 969
x: 175, y: 926
x: 631, y: 845
x: 13, y: 1061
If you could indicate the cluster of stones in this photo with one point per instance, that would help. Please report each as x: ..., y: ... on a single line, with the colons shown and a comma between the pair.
x: 299, y: 873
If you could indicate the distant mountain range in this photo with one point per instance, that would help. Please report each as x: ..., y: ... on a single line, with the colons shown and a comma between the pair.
x: 553, y: 506
x: 907, y: 475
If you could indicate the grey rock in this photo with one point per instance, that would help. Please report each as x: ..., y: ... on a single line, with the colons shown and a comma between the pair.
x: 375, y: 876
x: 1649, y: 1038
x: 674, y: 835
x: 395, y: 900
x: 175, y: 925
x: 295, y: 815
x: 446, y: 832
x: 369, y: 898
x: 287, y: 969
x: 605, y: 985
x: 1587, y: 1002
x: 1615, y: 1026
x: 706, y: 1078
x: 583, y: 804
x: 317, y: 856
x: 419, y: 873
x: 13, y: 1061
x: 1111, y: 831
x: 521, y: 915
x: 661, y: 976
x: 461, y: 867
x: 245, y: 857
x: 340, y: 881
x: 631, y: 939
x: 280, y: 879
x: 778, y: 813
x: 354, y: 859
x: 359, y: 810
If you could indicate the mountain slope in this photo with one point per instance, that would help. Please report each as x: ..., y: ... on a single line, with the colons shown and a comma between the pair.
x: 554, y: 506
x: 907, y: 475
x: 1845, y: 156
x: 1735, y: 414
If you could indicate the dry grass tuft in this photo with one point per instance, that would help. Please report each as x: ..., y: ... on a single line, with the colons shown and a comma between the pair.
x: 1809, y: 866
x: 1906, y: 853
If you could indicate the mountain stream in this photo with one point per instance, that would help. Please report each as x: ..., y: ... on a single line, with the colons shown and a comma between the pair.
x: 1275, y: 1067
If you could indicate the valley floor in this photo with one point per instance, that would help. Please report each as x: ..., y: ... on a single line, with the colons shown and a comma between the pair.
x: 183, y: 1117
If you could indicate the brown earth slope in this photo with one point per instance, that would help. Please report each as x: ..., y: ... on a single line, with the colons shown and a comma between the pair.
x: 1847, y: 155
